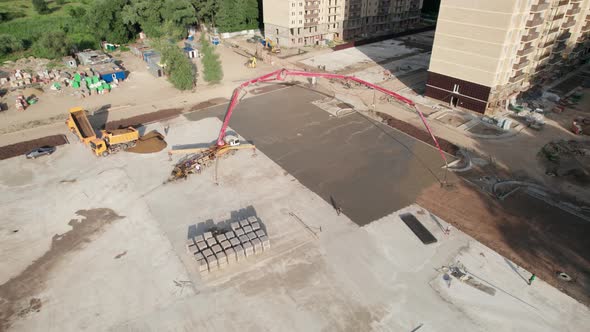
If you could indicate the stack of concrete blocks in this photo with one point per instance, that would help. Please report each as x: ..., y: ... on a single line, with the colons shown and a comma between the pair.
x: 245, y: 239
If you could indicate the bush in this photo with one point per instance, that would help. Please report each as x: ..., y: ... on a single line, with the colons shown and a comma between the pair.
x: 9, y: 44
x: 212, y: 71
x: 52, y: 45
x: 180, y: 69
x: 40, y: 6
x: 60, y: 2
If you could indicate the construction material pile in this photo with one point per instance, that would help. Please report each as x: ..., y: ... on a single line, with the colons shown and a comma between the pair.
x: 149, y: 143
x: 567, y: 159
x: 216, y: 248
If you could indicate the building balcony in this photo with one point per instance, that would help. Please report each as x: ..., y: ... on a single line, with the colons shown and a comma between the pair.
x: 530, y: 36
x: 573, y: 11
x: 312, y: 7
x: 555, y: 59
x: 563, y: 3
x: 543, y: 56
x: 517, y: 78
x: 535, y: 22
x: 584, y: 37
x: 558, y: 17
x: 560, y: 47
x: 564, y: 36
x: 547, y: 43
x: 585, y: 27
x: 311, y: 15
x: 523, y: 63
x: 542, y: 6
x: 553, y: 30
x: 310, y: 24
x: 527, y: 49
x: 568, y: 23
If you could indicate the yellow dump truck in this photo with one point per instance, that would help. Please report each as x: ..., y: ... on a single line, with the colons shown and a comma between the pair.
x: 79, y: 125
x: 110, y: 141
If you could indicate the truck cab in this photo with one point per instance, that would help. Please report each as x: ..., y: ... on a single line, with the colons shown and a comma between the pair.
x: 99, y: 147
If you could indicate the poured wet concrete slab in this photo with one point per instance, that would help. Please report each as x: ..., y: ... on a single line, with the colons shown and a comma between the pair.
x: 363, y: 167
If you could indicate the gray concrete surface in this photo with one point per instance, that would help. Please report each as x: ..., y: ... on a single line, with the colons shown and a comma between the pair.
x: 367, y: 168
x: 127, y: 270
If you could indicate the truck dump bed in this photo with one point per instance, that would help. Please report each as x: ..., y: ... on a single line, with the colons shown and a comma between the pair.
x: 118, y: 136
x: 81, y: 122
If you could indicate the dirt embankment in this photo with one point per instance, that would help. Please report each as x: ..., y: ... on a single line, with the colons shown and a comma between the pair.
x: 21, y: 148
x: 418, y: 133
x: 536, y: 236
x: 140, y: 120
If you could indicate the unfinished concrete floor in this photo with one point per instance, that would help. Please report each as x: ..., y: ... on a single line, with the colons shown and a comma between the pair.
x: 368, y: 169
x: 123, y: 265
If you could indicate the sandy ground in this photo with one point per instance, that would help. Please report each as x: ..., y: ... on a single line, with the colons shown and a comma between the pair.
x: 140, y: 93
x: 122, y: 264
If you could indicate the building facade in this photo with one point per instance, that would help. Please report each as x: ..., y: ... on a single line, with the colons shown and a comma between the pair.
x: 291, y: 23
x: 487, y: 52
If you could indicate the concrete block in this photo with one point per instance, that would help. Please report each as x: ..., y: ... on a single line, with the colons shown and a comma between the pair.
x: 248, y: 249
x: 225, y: 244
x: 244, y: 223
x: 212, y: 262
x: 202, y: 245
x: 265, y: 242
x: 255, y: 226
x: 216, y: 248
x: 207, y: 252
x: 260, y: 233
x: 207, y: 235
x: 251, y: 236
x: 239, y: 252
x: 198, y: 256
x: 244, y: 238
x: 230, y: 235
x: 252, y: 219
x: 257, y: 246
x: 234, y: 241
x: 235, y: 225
x: 191, y: 247
x: 239, y: 232
x: 221, y: 259
x: 199, y: 238
x: 220, y: 238
x: 231, y: 255
x: 247, y: 229
x: 203, y: 266
x: 211, y: 241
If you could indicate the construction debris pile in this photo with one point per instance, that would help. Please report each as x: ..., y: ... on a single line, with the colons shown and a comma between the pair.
x: 567, y: 158
x: 216, y: 248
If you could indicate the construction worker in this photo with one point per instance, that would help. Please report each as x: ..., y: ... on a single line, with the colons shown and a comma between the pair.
x: 532, y: 278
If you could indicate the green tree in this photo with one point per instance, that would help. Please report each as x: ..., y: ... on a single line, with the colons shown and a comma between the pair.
x: 212, y: 70
x: 178, y: 15
x: 236, y: 15
x: 76, y: 12
x: 40, y: 6
x: 60, y: 2
x: 206, y: 10
x: 180, y: 69
x: 105, y: 19
x: 52, y: 45
x: 9, y: 44
x: 226, y: 18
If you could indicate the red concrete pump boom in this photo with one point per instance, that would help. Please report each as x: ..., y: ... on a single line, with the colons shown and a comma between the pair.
x: 281, y: 74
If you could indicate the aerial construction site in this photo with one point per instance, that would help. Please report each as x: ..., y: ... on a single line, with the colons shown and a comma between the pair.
x: 312, y: 189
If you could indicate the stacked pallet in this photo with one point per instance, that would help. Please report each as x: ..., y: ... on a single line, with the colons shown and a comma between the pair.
x: 213, y: 252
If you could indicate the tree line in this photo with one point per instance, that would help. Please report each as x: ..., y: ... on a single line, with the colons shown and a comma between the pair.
x: 119, y: 21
